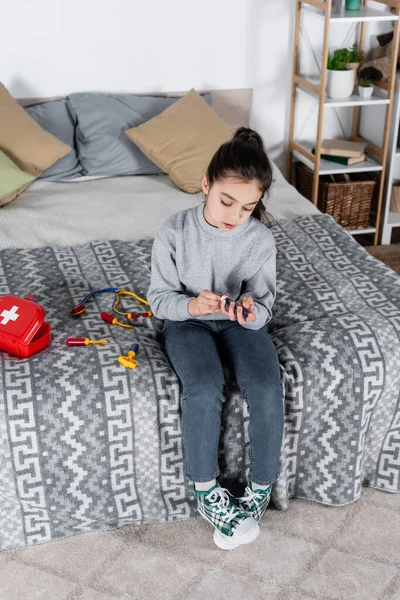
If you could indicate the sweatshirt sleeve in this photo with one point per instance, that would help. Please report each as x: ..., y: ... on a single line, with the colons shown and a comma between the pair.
x: 262, y: 288
x: 166, y: 294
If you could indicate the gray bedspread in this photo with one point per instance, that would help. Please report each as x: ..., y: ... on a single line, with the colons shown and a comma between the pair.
x: 86, y: 444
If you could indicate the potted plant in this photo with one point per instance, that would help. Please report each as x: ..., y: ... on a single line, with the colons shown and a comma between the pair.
x: 352, y: 58
x: 340, y: 78
x: 365, y: 87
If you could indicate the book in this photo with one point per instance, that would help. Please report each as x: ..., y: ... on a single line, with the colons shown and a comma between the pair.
x: 343, y: 148
x: 343, y: 160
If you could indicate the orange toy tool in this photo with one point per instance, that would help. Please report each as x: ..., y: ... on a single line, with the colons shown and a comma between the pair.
x: 84, y: 342
x: 128, y: 361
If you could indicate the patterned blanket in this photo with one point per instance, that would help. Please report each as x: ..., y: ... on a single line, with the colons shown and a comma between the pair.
x: 86, y: 444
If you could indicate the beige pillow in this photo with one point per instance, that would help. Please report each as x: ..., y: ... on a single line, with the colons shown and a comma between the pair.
x: 182, y: 140
x: 24, y: 141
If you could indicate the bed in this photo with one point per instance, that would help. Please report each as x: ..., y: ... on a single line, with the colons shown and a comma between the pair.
x: 86, y: 444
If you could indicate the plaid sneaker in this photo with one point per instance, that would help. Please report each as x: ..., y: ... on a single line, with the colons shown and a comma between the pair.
x: 232, y: 527
x: 254, y: 502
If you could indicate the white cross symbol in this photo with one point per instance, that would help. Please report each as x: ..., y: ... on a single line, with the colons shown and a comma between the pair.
x: 9, y: 315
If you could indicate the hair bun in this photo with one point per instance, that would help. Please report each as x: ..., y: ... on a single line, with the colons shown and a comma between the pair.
x: 249, y: 136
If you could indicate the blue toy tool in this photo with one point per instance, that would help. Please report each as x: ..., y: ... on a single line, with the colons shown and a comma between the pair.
x: 129, y: 361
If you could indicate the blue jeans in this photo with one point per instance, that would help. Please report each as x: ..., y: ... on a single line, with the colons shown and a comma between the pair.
x: 195, y: 349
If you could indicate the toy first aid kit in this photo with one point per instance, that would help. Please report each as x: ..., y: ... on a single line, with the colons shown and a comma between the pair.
x: 23, y: 331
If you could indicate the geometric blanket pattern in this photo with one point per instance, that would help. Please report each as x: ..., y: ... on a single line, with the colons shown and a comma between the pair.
x: 86, y: 444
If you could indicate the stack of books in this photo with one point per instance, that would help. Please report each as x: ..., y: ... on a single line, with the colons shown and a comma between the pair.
x: 344, y: 152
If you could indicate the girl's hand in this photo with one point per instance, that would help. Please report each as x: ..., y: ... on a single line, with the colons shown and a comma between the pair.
x: 235, y: 313
x: 206, y: 303
x: 247, y: 302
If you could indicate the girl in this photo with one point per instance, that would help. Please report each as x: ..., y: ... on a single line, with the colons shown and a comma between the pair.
x: 223, y: 248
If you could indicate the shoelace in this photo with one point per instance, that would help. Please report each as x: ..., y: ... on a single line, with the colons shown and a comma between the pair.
x: 251, y: 496
x: 222, y: 503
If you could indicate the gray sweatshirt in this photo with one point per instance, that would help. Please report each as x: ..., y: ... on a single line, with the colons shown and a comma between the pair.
x: 189, y: 256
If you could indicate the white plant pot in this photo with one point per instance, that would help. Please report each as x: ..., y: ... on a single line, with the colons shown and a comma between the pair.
x: 365, y: 92
x: 340, y: 84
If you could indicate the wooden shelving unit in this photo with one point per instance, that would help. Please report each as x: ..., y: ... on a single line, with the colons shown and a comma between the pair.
x: 391, y: 220
x: 383, y: 95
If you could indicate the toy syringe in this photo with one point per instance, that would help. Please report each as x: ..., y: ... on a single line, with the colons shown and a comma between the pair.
x: 228, y: 301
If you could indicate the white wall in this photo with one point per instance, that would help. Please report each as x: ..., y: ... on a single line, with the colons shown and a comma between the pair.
x: 55, y: 47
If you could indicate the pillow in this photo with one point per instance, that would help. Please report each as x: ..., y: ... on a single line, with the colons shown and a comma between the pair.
x: 54, y: 117
x: 101, y: 120
x: 12, y: 179
x: 182, y: 140
x: 24, y: 141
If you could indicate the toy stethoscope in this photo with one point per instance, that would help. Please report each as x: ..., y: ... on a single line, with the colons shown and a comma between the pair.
x: 128, y: 360
x: 81, y: 307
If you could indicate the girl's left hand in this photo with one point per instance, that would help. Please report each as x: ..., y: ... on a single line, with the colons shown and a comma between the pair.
x: 235, y: 313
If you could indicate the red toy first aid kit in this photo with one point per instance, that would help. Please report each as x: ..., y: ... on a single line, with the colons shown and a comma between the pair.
x: 23, y: 331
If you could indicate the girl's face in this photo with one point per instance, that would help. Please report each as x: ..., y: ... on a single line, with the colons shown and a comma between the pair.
x: 230, y: 202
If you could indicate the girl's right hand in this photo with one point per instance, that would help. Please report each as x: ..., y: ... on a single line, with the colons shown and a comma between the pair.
x: 206, y: 303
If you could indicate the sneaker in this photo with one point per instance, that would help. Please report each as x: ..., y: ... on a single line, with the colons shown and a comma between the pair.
x: 254, y: 502
x: 232, y: 526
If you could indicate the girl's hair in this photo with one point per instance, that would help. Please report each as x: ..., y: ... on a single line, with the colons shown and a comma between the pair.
x: 244, y: 157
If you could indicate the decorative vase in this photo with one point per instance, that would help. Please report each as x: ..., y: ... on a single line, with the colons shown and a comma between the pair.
x: 337, y: 6
x: 365, y: 92
x: 352, y: 5
x: 340, y: 84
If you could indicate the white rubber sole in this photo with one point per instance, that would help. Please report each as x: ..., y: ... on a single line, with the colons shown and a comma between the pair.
x: 227, y: 543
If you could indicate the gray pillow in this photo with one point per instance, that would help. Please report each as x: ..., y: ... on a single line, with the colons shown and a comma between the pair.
x: 101, y: 121
x: 55, y: 118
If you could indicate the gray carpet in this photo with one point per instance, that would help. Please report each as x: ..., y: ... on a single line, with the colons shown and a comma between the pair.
x: 310, y: 551
x: 390, y: 255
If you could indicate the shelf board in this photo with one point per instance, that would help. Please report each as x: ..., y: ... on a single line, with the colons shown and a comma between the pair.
x: 356, y: 100
x: 328, y: 167
x: 362, y: 231
x: 394, y: 219
x: 354, y: 16
x: 378, y: 97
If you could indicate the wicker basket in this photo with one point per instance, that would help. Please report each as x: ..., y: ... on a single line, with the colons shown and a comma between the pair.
x: 349, y: 203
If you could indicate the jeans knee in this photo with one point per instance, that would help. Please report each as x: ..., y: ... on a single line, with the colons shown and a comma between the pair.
x: 205, y: 390
x: 265, y: 399
x: 259, y: 385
